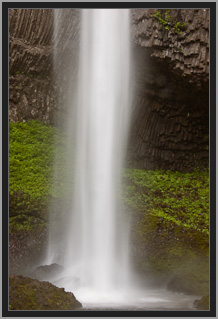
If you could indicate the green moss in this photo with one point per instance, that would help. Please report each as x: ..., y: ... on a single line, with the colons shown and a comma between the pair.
x: 31, y: 294
x: 33, y: 147
x: 170, y: 214
x: 178, y: 198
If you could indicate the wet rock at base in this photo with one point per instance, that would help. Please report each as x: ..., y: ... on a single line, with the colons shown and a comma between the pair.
x: 189, y: 283
x: 203, y: 303
x: 31, y: 294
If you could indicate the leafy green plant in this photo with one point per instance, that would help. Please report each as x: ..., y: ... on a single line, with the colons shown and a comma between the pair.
x: 164, y: 18
x: 178, y: 26
x: 167, y: 21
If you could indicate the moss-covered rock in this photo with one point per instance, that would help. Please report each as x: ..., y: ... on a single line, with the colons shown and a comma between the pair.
x: 203, y: 303
x: 31, y: 294
x: 191, y: 278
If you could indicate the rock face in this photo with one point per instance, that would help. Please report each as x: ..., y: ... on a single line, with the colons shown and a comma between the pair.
x: 33, y: 90
x: 26, y: 249
x: 170, y: 121
x: 30, y: 294
x: 170, y: 116
x: 30, y: 64
x: 181, y: 37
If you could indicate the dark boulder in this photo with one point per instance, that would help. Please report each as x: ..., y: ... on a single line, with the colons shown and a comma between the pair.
x: 31, y: 294
x: 203, y: 303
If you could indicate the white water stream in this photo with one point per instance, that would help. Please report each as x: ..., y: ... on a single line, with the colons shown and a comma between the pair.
x: 97, y: 245
x: 96, y: 238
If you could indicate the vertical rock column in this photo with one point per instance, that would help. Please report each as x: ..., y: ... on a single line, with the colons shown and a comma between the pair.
x: 30, y: 64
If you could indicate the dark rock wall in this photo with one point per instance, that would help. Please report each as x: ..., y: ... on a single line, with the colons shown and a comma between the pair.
x: 170, y: 118
x: 170, y: 121
x: 179, y: 37
x: 37, y: 64
x: 30, y: 64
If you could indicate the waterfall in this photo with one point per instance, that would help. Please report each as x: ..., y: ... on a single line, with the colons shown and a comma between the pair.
x: 95, y: 236
x: 88, y: 233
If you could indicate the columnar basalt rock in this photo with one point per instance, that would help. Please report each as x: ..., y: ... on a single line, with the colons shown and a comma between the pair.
x: 33, y: 44
x: 170, y: 118
x: 179, y: 37
x: 65, y: 61
x: 170, y: 123
x: 30, y: 64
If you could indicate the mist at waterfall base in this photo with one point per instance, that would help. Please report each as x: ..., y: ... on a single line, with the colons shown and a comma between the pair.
x: 91, y: 241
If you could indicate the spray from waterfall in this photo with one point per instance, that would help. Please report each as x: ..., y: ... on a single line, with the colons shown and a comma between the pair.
x: 93, y: 240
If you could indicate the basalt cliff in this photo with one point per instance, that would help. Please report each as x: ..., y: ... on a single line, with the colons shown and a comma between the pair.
x: 170, y: 79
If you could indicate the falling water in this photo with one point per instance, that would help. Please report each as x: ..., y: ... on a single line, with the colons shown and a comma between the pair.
x: 97, y: 246
x: 95, y: 235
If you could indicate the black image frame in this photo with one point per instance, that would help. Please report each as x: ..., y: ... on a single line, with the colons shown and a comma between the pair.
x: 5, y: 110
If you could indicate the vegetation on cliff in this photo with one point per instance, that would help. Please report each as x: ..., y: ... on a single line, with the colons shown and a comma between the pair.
x: 168, y: 22
x: 170, y: 226
x: 179, y: 198
x: 169, y: 211
x: 32, y: 147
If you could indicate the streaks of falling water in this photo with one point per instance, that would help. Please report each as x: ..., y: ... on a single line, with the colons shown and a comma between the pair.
x: 102, y: 120
x: 96, y: 247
